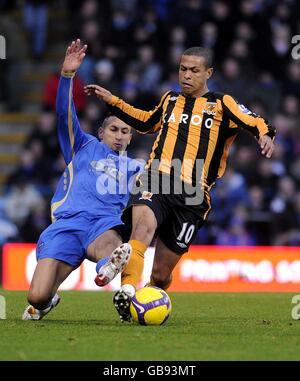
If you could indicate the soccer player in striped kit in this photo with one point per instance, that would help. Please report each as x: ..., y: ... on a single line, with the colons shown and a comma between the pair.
x: 195, y: 130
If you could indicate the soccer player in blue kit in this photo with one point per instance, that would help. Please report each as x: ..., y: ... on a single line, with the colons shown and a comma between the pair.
x: 86, y: 207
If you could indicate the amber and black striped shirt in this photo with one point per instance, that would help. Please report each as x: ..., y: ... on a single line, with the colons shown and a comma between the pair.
x: 193, y: 128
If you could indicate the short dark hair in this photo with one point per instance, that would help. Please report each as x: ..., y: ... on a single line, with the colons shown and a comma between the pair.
x: 198, y: 51
x: 106, y: 119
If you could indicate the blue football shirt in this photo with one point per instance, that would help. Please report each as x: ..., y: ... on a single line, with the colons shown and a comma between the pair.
x: 97, y: 180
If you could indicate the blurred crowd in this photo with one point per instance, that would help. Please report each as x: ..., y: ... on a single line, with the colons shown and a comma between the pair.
x: 134, y: 47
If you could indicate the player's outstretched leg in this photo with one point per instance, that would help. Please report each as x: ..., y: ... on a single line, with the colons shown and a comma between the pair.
x: 122, y: 300
x: 32, y: 313
x: 114, y: 265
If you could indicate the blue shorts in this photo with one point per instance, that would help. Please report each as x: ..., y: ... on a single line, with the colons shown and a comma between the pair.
x: 67, y: 239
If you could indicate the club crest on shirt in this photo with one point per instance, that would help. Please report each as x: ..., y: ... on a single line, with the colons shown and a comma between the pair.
x: 210, y: 108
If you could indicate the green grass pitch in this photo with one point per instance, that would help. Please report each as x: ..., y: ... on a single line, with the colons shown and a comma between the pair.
x: 202, y: 326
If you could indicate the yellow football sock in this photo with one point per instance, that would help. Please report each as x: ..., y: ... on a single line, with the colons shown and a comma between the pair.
x: 134, y: 269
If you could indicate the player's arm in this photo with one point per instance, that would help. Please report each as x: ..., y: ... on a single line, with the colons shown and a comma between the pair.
x: 70, y: 135
x: 145, y: 122
x: 263, y: 132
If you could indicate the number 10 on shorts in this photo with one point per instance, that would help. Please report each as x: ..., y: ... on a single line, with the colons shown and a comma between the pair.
x: 185, y: 233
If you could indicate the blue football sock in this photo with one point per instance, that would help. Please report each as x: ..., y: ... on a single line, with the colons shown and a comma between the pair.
x: 101, y: 262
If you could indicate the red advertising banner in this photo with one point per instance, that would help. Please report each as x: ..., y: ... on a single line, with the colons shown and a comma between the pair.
x: 14, y: 265
x: 237, y: 269
x: 204, y: 268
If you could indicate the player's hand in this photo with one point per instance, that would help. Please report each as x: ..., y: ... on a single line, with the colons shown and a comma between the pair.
x: 100, y: 92
x: 266, y: 145
x: 74, y: 56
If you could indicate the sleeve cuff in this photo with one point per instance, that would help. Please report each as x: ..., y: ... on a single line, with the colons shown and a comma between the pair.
x: 114, y: 100
x: 68, y: 74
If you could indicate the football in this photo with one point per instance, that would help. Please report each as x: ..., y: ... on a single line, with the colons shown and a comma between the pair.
x: 150, y: 306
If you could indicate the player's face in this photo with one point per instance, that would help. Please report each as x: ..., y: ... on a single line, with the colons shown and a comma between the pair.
x: 193, y: 75
x: 116, y: 134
